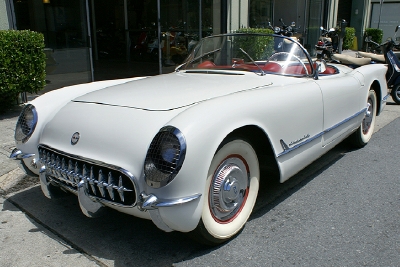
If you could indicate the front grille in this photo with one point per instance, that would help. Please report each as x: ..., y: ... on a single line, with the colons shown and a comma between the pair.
x: 101, y: 181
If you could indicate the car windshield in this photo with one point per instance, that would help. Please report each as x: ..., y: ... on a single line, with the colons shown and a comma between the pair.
x: 261, y: 54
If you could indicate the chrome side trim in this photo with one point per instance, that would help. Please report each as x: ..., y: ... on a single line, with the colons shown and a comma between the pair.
x: 385, y: 98
x: 151, y: 202
x: 286, y: 151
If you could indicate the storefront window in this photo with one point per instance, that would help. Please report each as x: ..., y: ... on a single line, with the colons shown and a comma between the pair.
x: 314, y: 23
x: 183, y: 23
x: 100, y: 39
x: 63, y: 24
x: 260, y: 13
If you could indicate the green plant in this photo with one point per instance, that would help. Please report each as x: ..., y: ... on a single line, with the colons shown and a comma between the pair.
x: 376, y: 36
x: 257, y: 46
x: 22, y: 65
x: 349, y: 38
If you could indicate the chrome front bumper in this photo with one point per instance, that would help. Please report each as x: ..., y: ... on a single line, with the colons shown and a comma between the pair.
x: 17, y: 154
x: 54, y: 175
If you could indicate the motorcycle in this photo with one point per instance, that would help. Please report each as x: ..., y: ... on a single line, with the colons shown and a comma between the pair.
x: 327, y: 44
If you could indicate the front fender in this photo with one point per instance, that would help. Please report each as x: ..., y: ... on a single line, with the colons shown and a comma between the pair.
x: 203, y: 137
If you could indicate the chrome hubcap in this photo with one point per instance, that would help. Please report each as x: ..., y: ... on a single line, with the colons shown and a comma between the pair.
x: 228, y: 190
x: 366, y: 125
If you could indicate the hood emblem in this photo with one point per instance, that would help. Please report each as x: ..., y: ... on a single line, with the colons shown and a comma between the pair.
x: 75, y: 138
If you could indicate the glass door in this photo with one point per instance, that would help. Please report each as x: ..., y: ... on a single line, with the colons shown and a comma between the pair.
x: 64, y: 26
x: 182, y: 23
x: 315, y: 13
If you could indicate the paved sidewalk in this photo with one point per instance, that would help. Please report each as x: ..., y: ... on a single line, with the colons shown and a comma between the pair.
x: 10, y: 174
x: 24, y: 242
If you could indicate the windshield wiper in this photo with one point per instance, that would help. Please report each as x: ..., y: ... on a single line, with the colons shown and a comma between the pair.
x: 252, y: 60
x: 203, y: 55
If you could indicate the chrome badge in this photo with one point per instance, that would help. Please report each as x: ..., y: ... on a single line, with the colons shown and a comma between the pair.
x: 75, y: 138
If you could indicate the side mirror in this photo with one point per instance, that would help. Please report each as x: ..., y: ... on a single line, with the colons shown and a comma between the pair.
x: 397, y: 28
x: 321, y: 28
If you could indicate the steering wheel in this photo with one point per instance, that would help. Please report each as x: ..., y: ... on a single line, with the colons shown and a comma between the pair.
x: 276, y: 56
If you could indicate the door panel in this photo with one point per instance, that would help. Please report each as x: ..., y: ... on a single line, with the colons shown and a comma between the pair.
x: 341, y: 104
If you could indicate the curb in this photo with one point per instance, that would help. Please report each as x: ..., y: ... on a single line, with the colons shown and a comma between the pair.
x: 11, y: 179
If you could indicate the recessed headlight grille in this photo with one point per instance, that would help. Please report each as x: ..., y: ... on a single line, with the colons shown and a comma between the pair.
x: 26, y: 123
x: 164, y: 157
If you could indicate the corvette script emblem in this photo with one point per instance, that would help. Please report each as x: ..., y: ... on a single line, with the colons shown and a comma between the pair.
x: 75, y: 138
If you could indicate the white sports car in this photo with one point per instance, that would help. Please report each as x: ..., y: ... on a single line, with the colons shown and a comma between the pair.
x: 185, y: 149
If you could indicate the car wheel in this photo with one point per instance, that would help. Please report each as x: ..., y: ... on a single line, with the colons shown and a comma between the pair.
x: 231, y: 191
x: 363, y: 134
x: 395, y: 93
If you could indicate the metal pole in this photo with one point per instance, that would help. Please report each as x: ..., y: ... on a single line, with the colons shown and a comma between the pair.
x: 200, y: 21
x: 127, y: 39
x: 380, y: 13
x: 159, y: 36
x: 96, y: 52
x: 90, y: 40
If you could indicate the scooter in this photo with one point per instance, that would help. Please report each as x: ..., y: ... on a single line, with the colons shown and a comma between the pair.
x: 390, y: 58
x: 393, y: 73
x: 284, y: 30
x: 327, y: 44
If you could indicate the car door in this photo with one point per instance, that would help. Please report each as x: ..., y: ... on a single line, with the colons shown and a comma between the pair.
x: 341, y: 104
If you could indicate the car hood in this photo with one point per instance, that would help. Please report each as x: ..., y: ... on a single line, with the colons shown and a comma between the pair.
x: 174, y: 90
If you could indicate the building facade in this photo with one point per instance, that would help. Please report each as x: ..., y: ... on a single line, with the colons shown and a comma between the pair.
x: 89, y: 40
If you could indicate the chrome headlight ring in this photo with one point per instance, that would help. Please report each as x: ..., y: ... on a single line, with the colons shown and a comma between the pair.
x: 164, y: 157
x: 26, y: 123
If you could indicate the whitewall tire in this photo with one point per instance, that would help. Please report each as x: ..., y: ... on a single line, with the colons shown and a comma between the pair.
x: 231, y: 192
x: 364, y: 133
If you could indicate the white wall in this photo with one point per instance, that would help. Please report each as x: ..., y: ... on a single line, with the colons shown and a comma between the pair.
x: 4, y: 24
x: 238, y: 14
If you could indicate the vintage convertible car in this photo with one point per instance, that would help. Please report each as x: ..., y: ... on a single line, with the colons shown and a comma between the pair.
x: 185, y: 149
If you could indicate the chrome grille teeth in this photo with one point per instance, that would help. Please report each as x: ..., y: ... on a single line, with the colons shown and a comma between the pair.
x: 63, y: 169
x: 85, y: 173
x: 52, y: 164
x: 70, y: 171
x: 110, y: 187
x: 91, y: 181
x: 100, y: 181
x: 121, y: 189
x: 48, y: 159
x: 100, y: 184
x: 58, y: 166
x: 77, y: 173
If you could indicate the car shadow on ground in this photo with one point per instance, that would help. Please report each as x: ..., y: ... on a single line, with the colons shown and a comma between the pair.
x: 272, y: 192
x: 123, y: 240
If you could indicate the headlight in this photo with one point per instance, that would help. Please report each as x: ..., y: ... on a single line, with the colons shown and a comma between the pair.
x: 26, y: 123
x: 165, y: 157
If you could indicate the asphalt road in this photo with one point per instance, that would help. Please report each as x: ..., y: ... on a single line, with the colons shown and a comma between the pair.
x: 343, y: 210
